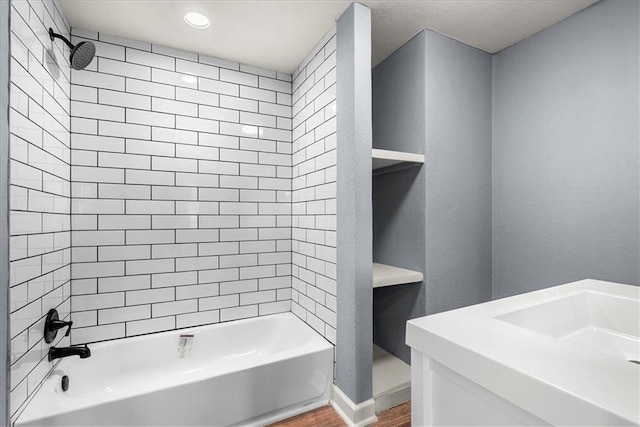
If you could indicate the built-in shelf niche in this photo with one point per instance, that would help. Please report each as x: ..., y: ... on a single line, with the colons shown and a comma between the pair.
x: 391, y: 376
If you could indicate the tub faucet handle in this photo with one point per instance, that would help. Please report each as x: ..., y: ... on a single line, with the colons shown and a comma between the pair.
x: 61, y: 324
x: 51, y: 325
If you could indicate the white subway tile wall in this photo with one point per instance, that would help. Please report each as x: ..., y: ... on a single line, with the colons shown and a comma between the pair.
x: 313, y: 290
x: 40, y: 190
x: 181, y: 170
x: 161, y: 189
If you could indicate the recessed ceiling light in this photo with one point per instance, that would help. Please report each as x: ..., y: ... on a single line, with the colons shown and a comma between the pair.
x: 196, y: 20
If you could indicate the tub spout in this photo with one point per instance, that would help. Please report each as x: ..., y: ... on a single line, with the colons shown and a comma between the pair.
x: 75, y: 350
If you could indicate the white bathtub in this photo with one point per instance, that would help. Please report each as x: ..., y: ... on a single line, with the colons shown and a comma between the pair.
x: 244, y: 372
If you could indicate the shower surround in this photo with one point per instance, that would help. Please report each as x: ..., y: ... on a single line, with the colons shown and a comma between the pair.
x: 181, y: 190
x: 160, y: 189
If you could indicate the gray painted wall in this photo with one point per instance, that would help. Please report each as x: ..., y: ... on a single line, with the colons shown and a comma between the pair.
x: 565, y: 153
x: 5, y: 6
x: 354, y: 223
x: 458, y: 169
x: 399, y: 197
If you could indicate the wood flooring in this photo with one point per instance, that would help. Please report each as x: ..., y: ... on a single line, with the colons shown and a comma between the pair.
x: 400, y: 416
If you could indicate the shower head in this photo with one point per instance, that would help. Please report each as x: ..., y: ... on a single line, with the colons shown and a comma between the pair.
x: 81, y: 54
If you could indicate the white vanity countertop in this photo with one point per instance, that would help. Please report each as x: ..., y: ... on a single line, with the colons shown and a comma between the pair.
x: 529, y: 357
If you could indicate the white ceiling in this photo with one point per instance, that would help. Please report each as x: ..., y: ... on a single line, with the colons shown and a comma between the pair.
x: 278, y: 34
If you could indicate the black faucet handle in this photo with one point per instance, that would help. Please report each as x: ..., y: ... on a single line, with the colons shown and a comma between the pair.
x: 59, y: 324
x: 51, y: 325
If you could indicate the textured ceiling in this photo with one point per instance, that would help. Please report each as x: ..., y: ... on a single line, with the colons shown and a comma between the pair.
x: 490, y: 25
x: 278, y: 34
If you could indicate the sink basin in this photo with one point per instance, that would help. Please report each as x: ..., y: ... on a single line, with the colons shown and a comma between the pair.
x: 597, y: 321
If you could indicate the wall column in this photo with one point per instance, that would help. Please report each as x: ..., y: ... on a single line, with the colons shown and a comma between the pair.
x: 354, y: 224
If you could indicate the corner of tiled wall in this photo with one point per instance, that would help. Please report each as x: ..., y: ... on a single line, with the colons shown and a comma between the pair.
x: 181, y: 171
x: 40, y: 189
x: 314, y: 188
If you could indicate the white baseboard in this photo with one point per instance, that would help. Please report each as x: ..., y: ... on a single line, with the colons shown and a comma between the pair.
x: 391, y: 399
x: 354, y: 415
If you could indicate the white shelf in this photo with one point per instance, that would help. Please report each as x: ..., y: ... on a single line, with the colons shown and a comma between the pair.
x: 383, y: 159
x: 387, y: 275
x: 391, y: 380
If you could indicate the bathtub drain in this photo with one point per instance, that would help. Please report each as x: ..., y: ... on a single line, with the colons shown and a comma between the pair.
x: 65, y: 383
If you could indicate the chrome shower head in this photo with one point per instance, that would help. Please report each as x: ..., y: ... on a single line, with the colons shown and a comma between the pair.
x: 81, y: 54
